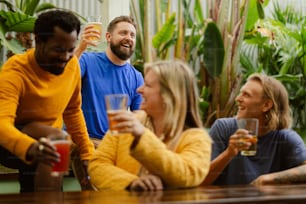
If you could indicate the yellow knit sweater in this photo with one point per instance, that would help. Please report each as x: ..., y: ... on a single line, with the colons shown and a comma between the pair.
x: 115, y: 165
x: 28, y: 93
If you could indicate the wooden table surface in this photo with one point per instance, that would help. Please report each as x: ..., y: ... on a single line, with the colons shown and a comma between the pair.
x: 235, y: 194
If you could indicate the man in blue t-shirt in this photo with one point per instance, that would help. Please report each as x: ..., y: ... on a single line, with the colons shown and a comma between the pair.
x: 108, y: 72
x: 281, y: 152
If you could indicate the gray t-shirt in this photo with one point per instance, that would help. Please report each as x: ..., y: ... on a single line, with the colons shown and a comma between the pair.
x: 278, y: 150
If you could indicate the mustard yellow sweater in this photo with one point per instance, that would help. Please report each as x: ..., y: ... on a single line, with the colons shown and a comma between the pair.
x: 28, y: 93
x: 115, y: 165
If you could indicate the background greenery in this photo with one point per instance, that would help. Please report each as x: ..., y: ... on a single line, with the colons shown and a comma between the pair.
x: 223, y: 41
x: 277, y: 46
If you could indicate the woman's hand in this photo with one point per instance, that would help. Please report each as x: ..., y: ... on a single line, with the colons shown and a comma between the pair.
x: 147, y: 183
x: 128, y: 123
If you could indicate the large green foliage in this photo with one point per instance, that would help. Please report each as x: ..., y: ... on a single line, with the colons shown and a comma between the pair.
x: 213, y: 50
x: 209, y: 40
x: 276, y: 46
x: 19, y: 17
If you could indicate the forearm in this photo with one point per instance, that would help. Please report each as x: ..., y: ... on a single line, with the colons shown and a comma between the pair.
x: 38, y: 130
x: 293, y: 175
x: 217, y: 166
x: 108, y: 176
x: 80, y: 49
x: 186, y: 167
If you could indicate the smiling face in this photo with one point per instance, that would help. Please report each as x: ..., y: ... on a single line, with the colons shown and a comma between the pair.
x: 151, y: 97
x: 54, y: 54
x: 250, y: 101
x: 122, y: 40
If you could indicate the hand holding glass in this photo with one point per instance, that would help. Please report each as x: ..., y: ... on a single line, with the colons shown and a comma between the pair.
x: 115, y: 102
x: 95, y: 21
x: 251, y: 125
x: 62, y: 145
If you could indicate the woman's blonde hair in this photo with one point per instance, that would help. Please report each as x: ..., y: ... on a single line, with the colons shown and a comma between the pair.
x: 279, y: 116
x: 179, y: 92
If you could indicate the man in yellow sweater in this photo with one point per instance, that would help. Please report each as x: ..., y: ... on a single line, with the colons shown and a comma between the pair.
x: 42, y: 86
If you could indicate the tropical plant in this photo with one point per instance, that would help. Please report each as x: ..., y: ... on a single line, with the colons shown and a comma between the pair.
x: 276, y: 46
x: 19, y: 17
x: 17, y: 22
x: 209, y: 41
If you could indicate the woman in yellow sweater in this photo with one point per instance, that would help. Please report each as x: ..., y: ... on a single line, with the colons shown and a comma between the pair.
x: 161, y: 146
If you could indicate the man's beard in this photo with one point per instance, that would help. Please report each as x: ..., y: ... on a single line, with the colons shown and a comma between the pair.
x: 119, y: 53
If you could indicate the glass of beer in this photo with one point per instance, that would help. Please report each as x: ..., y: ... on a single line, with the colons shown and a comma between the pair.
x: 62, y: 145
x: 251, y: 125
x: 115, y: 102
x: 95, y: 21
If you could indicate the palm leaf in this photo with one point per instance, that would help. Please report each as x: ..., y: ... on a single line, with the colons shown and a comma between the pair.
x: 17, y: 21
x: 13, y: 44
x: 44, y: 6
x: 166, y: 32
x: 213, y: 50
x: 30, y: 6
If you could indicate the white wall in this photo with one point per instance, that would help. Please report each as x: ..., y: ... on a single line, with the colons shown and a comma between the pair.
x: 83, y: 7
x: 298, y: 5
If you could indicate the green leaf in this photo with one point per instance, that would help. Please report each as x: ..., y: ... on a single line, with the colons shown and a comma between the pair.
x: 213, y: 50
x: 44, y: 6
x: 252, y: 16
x: 18, y: 22
x: 30, y: 6
x: 198, y: 10
x: 261, y: 13
x: 288, y: 77
x: 166, y: 32
x: 13, y: 44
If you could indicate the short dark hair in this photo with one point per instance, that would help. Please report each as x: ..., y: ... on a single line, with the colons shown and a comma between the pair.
x: 45, y: 23
x: 111, y: 26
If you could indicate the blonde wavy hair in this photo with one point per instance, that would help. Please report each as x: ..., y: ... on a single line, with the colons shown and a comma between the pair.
x: 179, y: 92
x: 279, y: 116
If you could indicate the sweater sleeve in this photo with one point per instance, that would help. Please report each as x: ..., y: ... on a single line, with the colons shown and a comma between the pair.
x: 10, y: 90
x: 186, y: 167
x: 104, y: 170
x: 74, y: 119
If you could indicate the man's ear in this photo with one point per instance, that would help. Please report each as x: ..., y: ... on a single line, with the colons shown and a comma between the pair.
x: 268, y: 104
x: 107, y: 36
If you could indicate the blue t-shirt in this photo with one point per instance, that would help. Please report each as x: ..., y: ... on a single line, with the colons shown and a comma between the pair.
x: 100, y: 77
x: 276, y: 151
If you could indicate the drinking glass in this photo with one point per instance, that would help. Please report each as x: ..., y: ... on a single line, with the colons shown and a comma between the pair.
x: 115, y: 102
x: 96, y: 22
x: 62, y: 145
x: 251, y: 125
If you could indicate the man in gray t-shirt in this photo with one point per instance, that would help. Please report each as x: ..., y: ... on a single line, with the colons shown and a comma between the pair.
x: 280, y: 150
x: 276, y: 151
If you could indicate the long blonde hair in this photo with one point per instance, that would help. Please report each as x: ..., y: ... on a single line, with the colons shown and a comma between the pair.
x: 180, y: 96
x: 279, y: 116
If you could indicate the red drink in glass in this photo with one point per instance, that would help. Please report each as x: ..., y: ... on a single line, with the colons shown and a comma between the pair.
x: 63, y: 148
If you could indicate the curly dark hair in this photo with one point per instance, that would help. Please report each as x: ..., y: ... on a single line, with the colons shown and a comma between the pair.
x: 45, y: 23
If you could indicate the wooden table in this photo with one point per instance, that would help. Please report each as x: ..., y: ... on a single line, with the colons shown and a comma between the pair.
x: 236, y: 194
